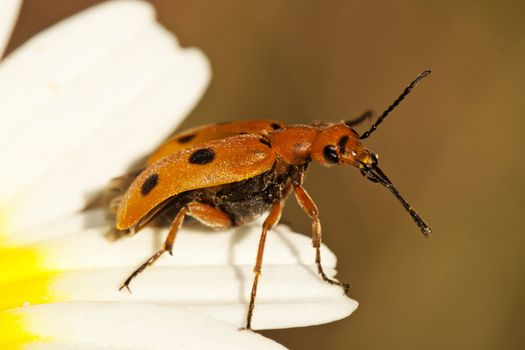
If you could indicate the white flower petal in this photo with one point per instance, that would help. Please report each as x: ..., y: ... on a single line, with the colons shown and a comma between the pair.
x: 56, y: 57
x: 195, y: 245
x: 210, y: 273
x: 98, y: 100
x: 123, y: 325
x: 288, y: 296
x: 101, y: 86
x: 8, y: 14
x: 60, y: 227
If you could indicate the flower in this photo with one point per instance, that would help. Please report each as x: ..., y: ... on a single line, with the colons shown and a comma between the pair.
x: 77, y: 103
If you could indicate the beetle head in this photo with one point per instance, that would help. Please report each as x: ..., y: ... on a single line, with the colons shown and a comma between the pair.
x: 339, y: 144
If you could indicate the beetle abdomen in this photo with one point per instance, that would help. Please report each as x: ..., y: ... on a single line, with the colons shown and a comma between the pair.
x: 242, y: 201
x: 245, y: 200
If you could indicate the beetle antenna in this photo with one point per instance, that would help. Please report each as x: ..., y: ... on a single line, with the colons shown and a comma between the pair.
x: 394, y: 104
x: 375, y: 174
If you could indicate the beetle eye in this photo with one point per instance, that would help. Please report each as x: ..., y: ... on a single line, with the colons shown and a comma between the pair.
x: 374, y: 159
x: 330, y: 154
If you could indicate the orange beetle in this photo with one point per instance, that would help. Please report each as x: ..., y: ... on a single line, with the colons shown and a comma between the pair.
x: 227, y: 174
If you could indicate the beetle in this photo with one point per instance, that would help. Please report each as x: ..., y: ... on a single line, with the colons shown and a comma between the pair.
x: 227, y: 174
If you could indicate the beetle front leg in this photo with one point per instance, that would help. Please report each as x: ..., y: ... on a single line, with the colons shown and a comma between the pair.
x: 308, y: 205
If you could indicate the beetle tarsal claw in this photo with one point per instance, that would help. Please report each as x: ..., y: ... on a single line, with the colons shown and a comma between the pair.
x: 125, y: 285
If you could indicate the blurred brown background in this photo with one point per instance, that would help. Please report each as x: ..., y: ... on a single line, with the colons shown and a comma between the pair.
x: 453, y: 148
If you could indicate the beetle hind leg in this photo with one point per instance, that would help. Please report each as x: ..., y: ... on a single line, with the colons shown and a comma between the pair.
x: 168, y: 246
x: 206, y: 214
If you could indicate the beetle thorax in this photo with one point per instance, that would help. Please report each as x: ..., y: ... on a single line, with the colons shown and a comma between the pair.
x: 327, y: 144
x: 294, y: 143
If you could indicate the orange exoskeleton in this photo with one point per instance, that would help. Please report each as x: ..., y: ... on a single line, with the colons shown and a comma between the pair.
x: 224, y: 175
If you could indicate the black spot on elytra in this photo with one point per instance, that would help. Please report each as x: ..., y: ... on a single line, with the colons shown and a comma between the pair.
x: 330, y: 154
x: 342, y: 143
x: 202, y: 156
x: 186, y: 139
x: 265, y: 142
x: 275, y: 126
x: 149, y: 184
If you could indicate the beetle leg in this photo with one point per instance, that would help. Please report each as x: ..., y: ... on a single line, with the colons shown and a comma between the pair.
x: 353, y: 122
x: 209, y: 215
x: 168, y: 245
x: 308, y: 205
x: 271, y: 220
x: 204, y: 213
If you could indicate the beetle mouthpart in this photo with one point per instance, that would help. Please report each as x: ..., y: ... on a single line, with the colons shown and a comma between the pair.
x: 375, y: 174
